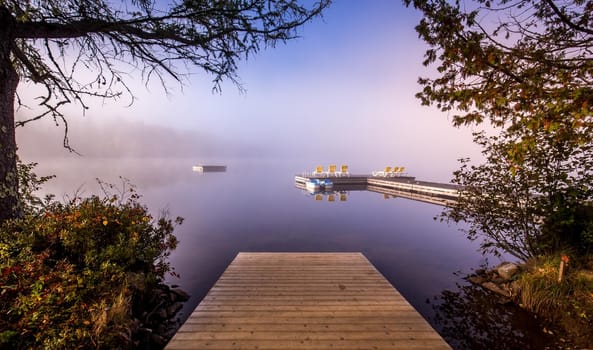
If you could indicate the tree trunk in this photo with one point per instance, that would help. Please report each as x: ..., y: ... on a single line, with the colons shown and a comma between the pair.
x: 8, y: 82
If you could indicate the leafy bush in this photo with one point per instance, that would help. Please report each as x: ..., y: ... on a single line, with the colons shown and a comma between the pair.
x: 74, y: 274
x: 570, y: 228
x: 537, y: 205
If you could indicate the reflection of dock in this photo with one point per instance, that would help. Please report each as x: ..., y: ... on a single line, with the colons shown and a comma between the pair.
x: 304, y: 301
x: 337, y: 187
x: 400, y: 186
x: 209, y: 168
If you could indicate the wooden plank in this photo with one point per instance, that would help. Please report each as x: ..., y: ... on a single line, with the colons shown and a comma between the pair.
x: 296, y: 302
x: 304, y: 301
x: 310, y: 335
x: 403, y: 317
x: 256, y: 307
x: 306, y: 344
x: 401, y: 326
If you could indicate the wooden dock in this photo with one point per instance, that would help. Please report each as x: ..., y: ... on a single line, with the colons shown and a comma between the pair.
x: 431, y: 192
x: 416, y: 196
x: 304, y: 301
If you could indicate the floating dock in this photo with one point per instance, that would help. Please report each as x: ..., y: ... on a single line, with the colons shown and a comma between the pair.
x: 304, y: 301
x: 398, y: 186
x: 209, y: 168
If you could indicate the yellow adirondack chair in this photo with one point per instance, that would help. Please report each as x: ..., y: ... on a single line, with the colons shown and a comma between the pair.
x: 318, y: 171
x: 331, y: 171
x: 344, y: 171
x: 385, y: 172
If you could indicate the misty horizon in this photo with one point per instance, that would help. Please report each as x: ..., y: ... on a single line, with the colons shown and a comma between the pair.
x: 337, y: 95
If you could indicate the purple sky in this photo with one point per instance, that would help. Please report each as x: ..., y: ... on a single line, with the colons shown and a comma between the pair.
x: 342, y: 93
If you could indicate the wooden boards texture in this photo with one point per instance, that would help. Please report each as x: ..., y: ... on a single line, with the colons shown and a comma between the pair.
x: 304, y: 301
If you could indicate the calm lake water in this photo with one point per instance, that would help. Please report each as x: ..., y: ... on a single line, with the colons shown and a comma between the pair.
x: 255, y: 206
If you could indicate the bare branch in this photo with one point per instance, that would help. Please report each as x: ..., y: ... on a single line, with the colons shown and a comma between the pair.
x: 567, y: 20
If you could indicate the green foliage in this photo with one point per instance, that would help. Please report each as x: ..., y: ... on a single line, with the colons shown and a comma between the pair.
x: 537, y: 205
x: 71, y: 273
x: 506, y: 62
x: 525, y: 68
x: 29, y: 184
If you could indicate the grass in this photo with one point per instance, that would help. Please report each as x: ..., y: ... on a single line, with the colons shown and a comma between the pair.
x: 568, y: 303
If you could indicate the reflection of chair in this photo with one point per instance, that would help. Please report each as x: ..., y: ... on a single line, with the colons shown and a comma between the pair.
x: 331, y: 198
x: 318, y: 171
x: 385, y: 172
x: 331, y: 171
x: 343, y: 171
x: 318, y: 197
x: 343, y: 197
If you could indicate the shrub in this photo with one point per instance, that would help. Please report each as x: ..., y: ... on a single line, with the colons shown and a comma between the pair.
x: 74, y: 274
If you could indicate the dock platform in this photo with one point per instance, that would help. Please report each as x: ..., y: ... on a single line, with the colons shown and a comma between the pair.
x: 209, y: 168
x: 304, y: 301
x: 400, y: 186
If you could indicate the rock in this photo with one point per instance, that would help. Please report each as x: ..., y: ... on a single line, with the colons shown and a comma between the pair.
x: 172, y: 297
x: 181, y: 294
x: 515, y: 288
x: 161, y: 329
x: 498, y: 280
x: 171, y: 330
x: 144, y: 333
x: 157, y: 339
x: 504, y: 301
x: 173, y: 309
x: 477, y: 279
x: 480, y: 272
x: 145, y: 330
x: 161, y: 314
x: 496, y: 289
x: 156, y: 297
x: 507, y: 270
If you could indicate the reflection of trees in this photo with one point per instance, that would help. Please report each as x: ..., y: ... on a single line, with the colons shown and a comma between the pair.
x: 472, y: 318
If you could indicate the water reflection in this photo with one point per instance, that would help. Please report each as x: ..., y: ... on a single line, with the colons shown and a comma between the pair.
x: 328, y: 196
x: 75, y: 172
x: 254, y: 206
x: 471, y: 318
